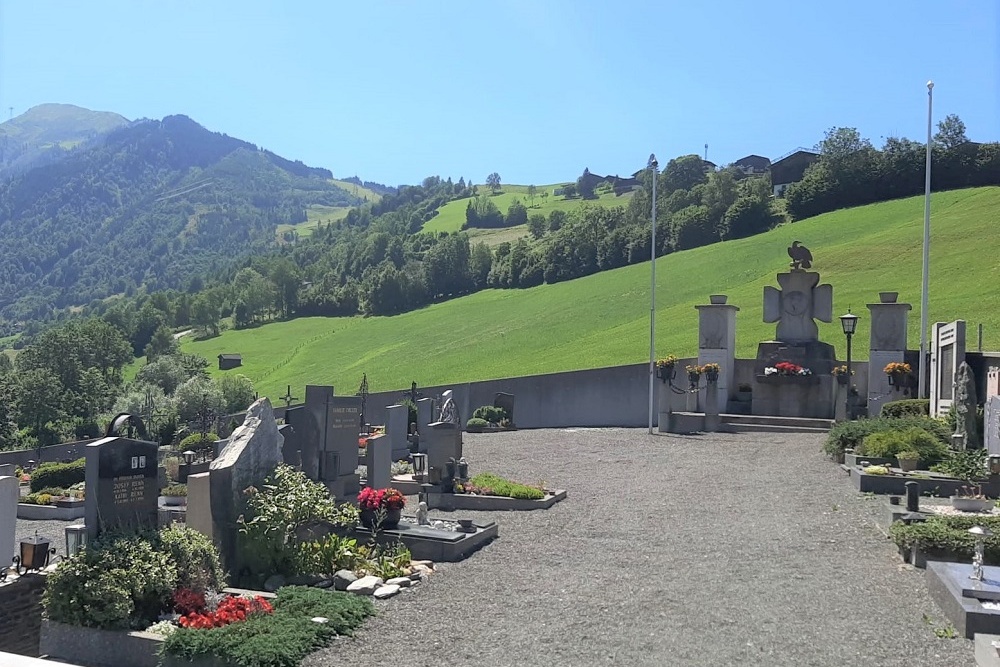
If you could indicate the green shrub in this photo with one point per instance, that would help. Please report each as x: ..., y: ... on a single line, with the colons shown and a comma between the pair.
x: 850, y: 434
x: 40, y: 498
x: 882, y: 444
x: 887, y: 444
x: 114, y: 583
x: 175, y: 490
x: 910, y: 407
x: 476, y: 422
x: 948, y: 534
x: 196, y: 557
x: 490, y: 413
x: 286, y: 501
x: 505, y: 487
x: 172, y: 464
x: 281, y: 639
x: 970, y: 465
x: 202, y: 445
x: 59, y: 475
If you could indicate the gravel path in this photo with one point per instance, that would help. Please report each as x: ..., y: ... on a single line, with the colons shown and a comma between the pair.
x: 705, y: 550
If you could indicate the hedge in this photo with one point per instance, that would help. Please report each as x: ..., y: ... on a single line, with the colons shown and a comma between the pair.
x: 62, y: 475
x: 850, y: 434
x: 909, y: 407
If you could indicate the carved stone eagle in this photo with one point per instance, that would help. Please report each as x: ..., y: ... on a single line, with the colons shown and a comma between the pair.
x: 801, y: 257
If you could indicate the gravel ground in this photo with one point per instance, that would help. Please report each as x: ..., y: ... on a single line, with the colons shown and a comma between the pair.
x: 705, y: 550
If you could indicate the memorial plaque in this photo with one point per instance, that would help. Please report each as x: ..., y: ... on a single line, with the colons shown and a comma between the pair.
x: 122, y: 485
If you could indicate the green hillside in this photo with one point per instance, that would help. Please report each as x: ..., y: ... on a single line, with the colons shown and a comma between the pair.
x: 317, y: 213
x: 603, y: 319
x: 451, y: 216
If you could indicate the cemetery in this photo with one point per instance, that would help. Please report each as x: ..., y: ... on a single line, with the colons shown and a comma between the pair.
x: 303, y: 520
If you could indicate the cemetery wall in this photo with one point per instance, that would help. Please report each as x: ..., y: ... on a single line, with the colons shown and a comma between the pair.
x: 21, y: 614
x: 68, y: 450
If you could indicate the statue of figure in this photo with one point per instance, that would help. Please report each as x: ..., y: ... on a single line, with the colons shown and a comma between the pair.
x: 449, y: 411
x: 965, y: 406
x: 422, y: 514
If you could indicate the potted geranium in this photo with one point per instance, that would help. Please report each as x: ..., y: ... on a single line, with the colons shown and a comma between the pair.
x: 666, y: 368
x: 381, y: 507
x: 897, y: 373
x: 711, y: 372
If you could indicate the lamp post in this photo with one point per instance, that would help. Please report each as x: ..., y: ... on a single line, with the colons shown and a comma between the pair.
x: 652, y: 164
x: 849, y: 323
x: 922, y: 368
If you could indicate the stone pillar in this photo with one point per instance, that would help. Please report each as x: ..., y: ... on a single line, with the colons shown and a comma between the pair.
x: 425, y: 413
x: 396, y: 428
x: 199, y: 504
x: 717, y: 344
x: 887, y: 342
x: 711, y: 408
x: 9, y: 494
x: 378, y: 460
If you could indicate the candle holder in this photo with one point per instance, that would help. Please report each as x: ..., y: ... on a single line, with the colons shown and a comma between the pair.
x: 980, y: 534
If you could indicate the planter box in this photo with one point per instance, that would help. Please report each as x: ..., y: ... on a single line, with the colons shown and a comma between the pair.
x: 49, y: 512
x: 934, y: 485
x: 856, y: 459
x: 468, y: 501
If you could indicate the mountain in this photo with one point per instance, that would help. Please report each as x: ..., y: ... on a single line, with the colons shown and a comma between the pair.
x: 48, y: 132
x: 154, y: 205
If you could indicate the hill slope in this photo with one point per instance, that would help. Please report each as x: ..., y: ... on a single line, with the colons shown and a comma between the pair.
x: 155, y: 204
x: 603, y: 319
x: 47, y: 132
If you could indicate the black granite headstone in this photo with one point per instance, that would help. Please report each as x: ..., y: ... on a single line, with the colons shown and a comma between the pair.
x: 122, y: 485
x: 912, y: 496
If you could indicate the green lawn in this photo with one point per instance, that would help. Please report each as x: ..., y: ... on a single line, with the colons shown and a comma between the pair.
x: 451, y: 216
x: 603, y: 320
x: 316, y: 213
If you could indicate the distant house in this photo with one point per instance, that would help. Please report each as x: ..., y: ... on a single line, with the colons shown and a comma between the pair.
x: 228, y: 361
x: 708, y: 166
x: 623, y: 186
x: 790, y: 167
x: 753, y: 165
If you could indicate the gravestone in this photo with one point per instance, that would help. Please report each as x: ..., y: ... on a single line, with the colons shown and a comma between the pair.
x: 991, y: 425
x: 443, y: 441
x: 887, y: 343
x: 966, y: 405
x: 992, y: 382
x: 9, y: 494
x: 253, y: 452
x: 947, y: 354
x: 378, y: 460
x: 309, y: 422
x: 7, y: 470
x: 425, y: 412
x: 396, y: 428
x: 339, y: 461
x: 506, y: 402
x: 122, y: 485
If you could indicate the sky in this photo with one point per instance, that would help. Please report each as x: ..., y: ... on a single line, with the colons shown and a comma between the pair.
x: 533, y: 90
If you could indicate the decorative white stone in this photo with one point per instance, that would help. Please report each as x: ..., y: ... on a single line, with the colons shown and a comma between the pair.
x: 386, y: 592
x: 319, y: 619
x: 402, y: 582
x: 365, y: 585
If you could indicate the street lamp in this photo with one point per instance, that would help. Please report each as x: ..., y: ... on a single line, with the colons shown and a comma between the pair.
x: 849, y: 323
x: 652, y: 164
x: 921, y: 367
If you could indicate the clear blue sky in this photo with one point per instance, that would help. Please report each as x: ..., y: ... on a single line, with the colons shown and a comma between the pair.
x: 395, y: 91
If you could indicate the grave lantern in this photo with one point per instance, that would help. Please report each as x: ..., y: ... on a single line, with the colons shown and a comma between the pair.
x: 188, y: 456
x: 419, y: 464
x: 995, y: 464
x: 76, y: 538
x: 849, y: 323
x: 34, y: 554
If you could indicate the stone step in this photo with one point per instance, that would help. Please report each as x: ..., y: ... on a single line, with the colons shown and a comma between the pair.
x: 771, y: 428
x: 773, y: 420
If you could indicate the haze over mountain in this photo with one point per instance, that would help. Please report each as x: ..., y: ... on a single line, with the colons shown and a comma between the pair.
x: 48, y: 132
x: 117, y: 205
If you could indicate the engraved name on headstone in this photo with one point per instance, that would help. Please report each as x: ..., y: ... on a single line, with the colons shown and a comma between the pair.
x: 122, y: 485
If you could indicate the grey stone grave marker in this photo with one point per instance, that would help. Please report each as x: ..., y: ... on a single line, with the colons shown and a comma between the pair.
x: 505, y: 401
x: 9, y: 494
x: 122, y: 485
x: 991, y: 425
x: 378, y: 460
x: 395, y: 428
x: 339, y: 460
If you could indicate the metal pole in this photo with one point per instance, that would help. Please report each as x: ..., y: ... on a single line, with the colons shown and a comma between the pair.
x: 922, y: 368
x: 847, y: 399
x: 652, y: 300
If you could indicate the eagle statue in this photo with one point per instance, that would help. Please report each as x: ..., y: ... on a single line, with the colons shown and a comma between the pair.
x: 801, y: 257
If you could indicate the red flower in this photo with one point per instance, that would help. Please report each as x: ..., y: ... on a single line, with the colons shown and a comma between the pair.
x: 373, y: 499
x: 231, y: 610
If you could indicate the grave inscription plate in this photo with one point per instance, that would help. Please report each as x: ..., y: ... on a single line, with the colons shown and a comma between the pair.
x: 122, y: 485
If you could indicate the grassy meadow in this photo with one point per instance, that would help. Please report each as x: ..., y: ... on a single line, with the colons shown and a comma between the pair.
x: 603, y: 319
x: 451, y: 216
x: 326, y: 214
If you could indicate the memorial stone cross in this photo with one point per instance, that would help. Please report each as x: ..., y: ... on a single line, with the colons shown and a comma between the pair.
x: 794, y: 307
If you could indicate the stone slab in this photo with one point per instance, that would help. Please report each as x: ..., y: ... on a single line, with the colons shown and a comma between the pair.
x: 987, y: 589
x: 443, y: 546
x: 9, y: 493
x: 468, y: 501
x: 934, y: 485
x: 99, y: 648
x: 987, y: 653
x: 49, y: 512
x: 945, y: 582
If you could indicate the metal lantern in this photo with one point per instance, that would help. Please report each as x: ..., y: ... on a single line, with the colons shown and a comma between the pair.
x: 188, y: 456
x: 995, y: 464
x: 76, y: 538
x: 34, y: 554
x: 463, y: 468
x: 419, y: 464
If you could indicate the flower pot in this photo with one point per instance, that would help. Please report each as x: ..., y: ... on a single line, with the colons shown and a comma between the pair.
x: 888, y: 297
x: 391, y: 520
x: 712, y: 376
x: 718, y: 299
x: 908, y: 465
x: 965, y: 504
x: 842, y: 379
x: 666, y: 373
x: 174, y: 501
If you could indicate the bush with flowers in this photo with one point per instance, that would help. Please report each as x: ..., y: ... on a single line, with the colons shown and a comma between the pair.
x: 376, y: 499
x: 786, y: 368
x: 232, y: 609
x: 668, y: 361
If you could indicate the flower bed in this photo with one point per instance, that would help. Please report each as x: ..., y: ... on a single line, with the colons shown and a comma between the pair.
x: 488, y: 484
x: 948, y: 536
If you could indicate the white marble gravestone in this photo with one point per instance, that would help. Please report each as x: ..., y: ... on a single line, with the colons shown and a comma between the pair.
x: 947, y: 354
x: 887, y: 343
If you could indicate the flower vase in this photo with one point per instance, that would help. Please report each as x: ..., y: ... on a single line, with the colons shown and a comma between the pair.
x: 712, y: 376
x: 842, y: 379
x: 391, y: 520
x: 665, y: 373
